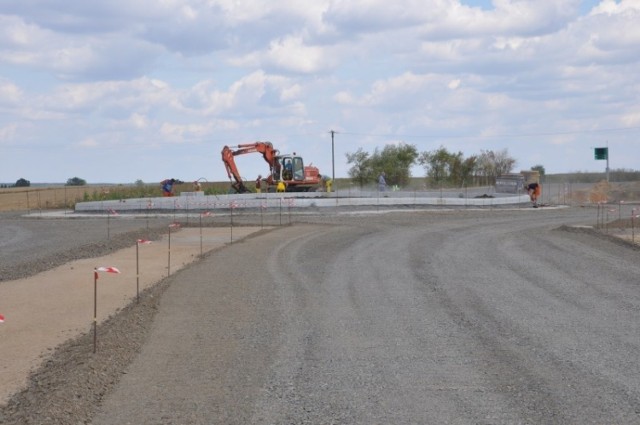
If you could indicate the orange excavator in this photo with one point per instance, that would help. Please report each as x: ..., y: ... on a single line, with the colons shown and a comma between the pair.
x: 284, y: 169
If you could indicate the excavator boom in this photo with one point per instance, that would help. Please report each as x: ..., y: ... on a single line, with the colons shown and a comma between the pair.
x: 229, y: 154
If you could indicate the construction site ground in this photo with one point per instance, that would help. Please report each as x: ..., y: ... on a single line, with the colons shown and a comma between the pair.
x: 495, y: 316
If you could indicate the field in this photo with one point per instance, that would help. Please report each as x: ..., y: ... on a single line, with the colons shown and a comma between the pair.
x: 61, y: 197
x: 32, y: 198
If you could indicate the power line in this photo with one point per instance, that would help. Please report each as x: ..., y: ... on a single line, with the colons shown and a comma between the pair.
x: 495, y: 136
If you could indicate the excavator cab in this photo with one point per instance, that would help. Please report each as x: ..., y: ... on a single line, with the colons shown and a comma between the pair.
x: 288, y: 168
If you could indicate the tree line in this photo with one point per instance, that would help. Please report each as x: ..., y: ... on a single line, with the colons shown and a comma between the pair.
x: 442, y: 167
x: 22, y: 182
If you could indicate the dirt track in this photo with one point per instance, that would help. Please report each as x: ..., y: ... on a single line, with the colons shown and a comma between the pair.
x: 449, y: 317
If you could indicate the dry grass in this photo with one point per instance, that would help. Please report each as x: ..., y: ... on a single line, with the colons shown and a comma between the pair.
x: 35, y: 198
x: 61, y: 197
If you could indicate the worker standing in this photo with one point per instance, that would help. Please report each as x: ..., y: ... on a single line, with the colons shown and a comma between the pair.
x: 167, y: 187
x: 281, y: 186
x: 382, y: 182
x: 259, y: 184
x: 327, y: 182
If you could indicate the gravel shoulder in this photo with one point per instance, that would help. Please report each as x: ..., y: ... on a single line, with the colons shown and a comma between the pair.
x: 420, y: 317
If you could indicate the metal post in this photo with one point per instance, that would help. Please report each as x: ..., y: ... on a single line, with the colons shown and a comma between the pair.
x: 231, y: 223
x: 95, y: 309
x: 137, y: 272
x: 261, y: 216
x: 333, y: 165
x: 607, y: 162
x: 620, y: 210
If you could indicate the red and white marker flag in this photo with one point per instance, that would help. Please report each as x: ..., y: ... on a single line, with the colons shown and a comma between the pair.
x: 108, y: 269
x: 143, y: 242
x: 174, y: 225
x: 104, y: 269
x: 1, y: 318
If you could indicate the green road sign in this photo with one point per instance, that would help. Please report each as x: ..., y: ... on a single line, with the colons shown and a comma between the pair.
x: 601, y: 153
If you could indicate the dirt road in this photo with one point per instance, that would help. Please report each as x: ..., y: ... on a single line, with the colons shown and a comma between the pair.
x: 492, y: 317
x: 472, y: 317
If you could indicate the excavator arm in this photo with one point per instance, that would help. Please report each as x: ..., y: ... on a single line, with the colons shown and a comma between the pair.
x: 230, y: 152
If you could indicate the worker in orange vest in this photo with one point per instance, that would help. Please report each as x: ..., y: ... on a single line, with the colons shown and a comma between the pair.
x: 535, y: 190
x: 167, y: 187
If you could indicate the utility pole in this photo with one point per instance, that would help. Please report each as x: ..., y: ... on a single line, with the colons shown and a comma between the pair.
x: 333, y: 163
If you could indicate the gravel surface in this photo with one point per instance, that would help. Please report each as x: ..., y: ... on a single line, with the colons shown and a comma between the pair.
x: 487, y: 317
x: 32, y: 245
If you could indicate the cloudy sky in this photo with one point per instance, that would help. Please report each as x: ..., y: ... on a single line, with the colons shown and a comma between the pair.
x: 116, y: 91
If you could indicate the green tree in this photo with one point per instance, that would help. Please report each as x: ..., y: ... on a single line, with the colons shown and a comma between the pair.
x: 462, y: 169
x: 442, y: 166
x: 485, y: 167
x: 503, y: 162
x: 436, y: 164
x: 539, y: 168
x: 361, y: 171
x: 396, y: 162
x: 76, y: 181
x: 23, y: 183
x: 492, y: 164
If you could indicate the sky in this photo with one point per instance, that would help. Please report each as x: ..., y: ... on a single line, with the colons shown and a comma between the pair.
x: 119, y: 91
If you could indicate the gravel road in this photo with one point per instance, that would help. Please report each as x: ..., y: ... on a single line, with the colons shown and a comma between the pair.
x: 32, y: 245
x: 458, y: 317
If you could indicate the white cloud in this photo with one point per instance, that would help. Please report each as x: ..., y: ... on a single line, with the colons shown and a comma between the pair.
x: 377, y: 15
x: 631, y: 119
x: 8, y: 132
x: 139, y: 121
x: 454, y: 84
x: 612, y: 7
x: 508, y: 18
x: 291, y: 54
x: 10, y: 94
x: 292, y: 92
x: 181, y: 132
x: 88, y: 142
